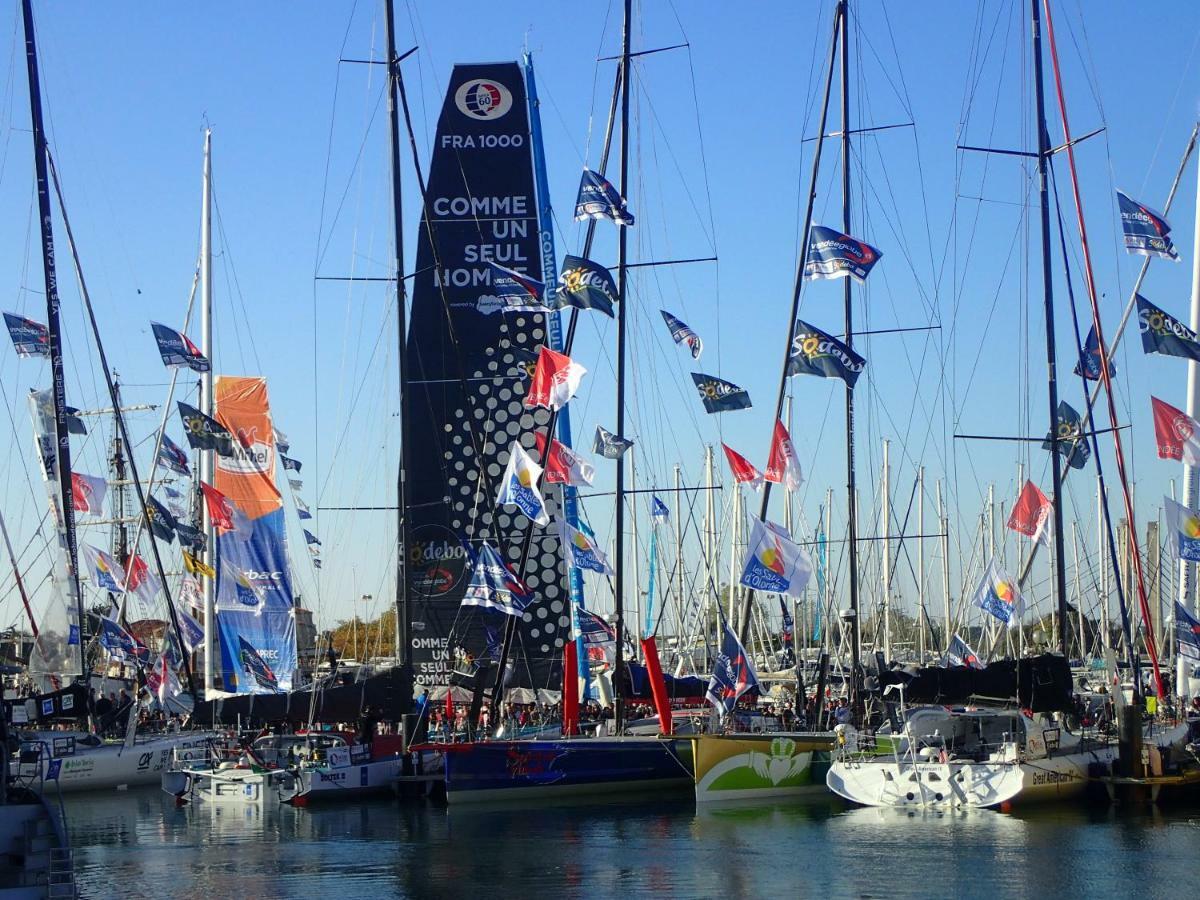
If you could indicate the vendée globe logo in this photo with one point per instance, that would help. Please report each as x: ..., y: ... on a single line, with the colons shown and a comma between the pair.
x: 482, y: 98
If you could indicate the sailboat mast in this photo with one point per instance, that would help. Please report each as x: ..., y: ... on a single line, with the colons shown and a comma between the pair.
x: 53, y: 326
x: 403, y: 612
x: 206, y: 407
x: 1186, y: 584
x: 838, y: 15
x: 622, y: 330
x: 1043, y: 160
x: 851, y: 488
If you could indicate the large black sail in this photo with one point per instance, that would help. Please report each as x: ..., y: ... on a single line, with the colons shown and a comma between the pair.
x: 465, y: 375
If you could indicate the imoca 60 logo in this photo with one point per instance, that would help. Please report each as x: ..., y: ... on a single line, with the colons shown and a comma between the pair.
x: 481, y: 98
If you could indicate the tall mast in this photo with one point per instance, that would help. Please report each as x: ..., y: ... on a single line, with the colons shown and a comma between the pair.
x: 206, y: 407
x: 798, y: 286
x: 1186, y: 586
x: 58, y: 377
x: 403, y: 612
x: 851, y: 488
x: 1043, y: 160
x: 120, y: 544
x: 622, y: 328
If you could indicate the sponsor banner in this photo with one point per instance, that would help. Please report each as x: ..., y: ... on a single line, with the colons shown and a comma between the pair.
x: 481, y: 208
x: 254, y: 587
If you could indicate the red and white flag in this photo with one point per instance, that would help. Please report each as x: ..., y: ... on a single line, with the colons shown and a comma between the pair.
x: 224, y: 515
x: 743, y: 471
x: 783, y: 466
x: 555, y: 380
x: 1031, y: 513
x: 1176, y: 433
x: 564, y: 465
x: 87, y: 493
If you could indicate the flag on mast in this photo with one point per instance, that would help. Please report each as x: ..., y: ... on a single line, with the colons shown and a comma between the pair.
x: 1176, y: 433
x: 1089, y: 359
x: 494, y: 585
x: 1185, y: 525
x: 516, y: 291
x: 581, y: 551
x: 1146, y: 232
x: 743, y: 470
x: 520, y: 485
x: 682, y: 334
x: 598, y: 199
x: 87, y: 493
x: 783, y: 466
x: 555, y: 380
x: 172, y: 458
x: 1031, y: 513
x: 204, y: 432
x: 1163, y: 333
x: 584, y: 284
x: 733, y: 674
x: 177, y: 351
x: 774, y: 562
x: 998, y: 595
x: 832, y: 254
x: 29, y: 338
x: 564, y: 465
x: 815, y: 352
x: 719, y: 395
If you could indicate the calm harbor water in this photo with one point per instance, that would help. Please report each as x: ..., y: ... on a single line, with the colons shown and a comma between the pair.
x: 137, y: 844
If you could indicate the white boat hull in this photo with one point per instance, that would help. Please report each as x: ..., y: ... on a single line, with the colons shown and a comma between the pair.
x: 950, y: 785
x: 106, y: 767
x: 228, y: 785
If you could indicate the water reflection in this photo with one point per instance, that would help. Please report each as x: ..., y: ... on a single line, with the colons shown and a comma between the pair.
x: 138, y: 843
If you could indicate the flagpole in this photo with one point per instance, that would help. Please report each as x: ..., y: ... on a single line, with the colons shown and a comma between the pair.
x: 206, y: 407
x: 839, y: 15
x: 403, y: 532
x: 1186, y: 589
x: 622, y: 329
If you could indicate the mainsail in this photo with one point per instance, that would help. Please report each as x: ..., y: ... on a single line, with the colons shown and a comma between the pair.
x: 463, y: 369
x: 254, y: 585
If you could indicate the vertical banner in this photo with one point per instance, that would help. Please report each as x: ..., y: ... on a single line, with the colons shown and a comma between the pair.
x: 254, y: 585
x: 481, y: 208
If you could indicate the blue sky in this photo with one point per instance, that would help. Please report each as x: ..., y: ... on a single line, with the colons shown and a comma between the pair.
x: 719, y: 168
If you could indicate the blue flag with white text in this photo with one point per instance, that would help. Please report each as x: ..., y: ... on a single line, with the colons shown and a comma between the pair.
x: 815, y: 352
x: 832, y: 254
x: 598, y: 199
x: 719, y: 395
x: 1146, y: 232
x: 1163, y: 333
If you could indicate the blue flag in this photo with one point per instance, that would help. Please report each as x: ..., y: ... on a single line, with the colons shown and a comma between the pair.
x: 494, y: 586
x: 513, y: 291
x: 1146, y: 232
x: 594, y: 630
x: 658, y: 510
x: 1089, y: 359
x: 176, y: 350
x: 310, y: 538
x: 959, y: 653
x: 29, y: 338
x: 1072, y: 446
x: 171, y: 457
x: 585, y: 285
x: 190, y: 537
x: 1187, y: 633
x: 121, y: 644
x: 1165, y: 334
x: 162, y: 523
x: 719, y: 395
x: 609, y: 445
x: 520, y: 485
x: 289, y: 464
x: 732, y: 676
x: 832, y: 254
x: 204, y: 432
x: 682, y: 334
x: 598, y: 199
x: 814, y: 352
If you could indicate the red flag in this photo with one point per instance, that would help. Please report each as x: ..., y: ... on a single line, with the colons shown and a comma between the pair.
x: 1176, y: 433
x: 87, y: 493
x: 449, y: 706
x: 220, y: 510
x: 743, y: 471
x: 783, y: 466
x: 564, y: 465
x: 1030, y: 512
x: 555, y: 380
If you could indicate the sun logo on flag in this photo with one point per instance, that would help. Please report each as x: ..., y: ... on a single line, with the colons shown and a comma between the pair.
x: 1004, y: 592
x: 580, y: 541
x: 1157, y: 322
x: 810, y: 345
x: 1066, y: 431
x: 1191, y: 527
x: 525, y: 477
x: 772, y: 557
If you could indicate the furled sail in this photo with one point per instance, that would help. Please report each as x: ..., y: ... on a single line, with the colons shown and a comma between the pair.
x: 464, y: 368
